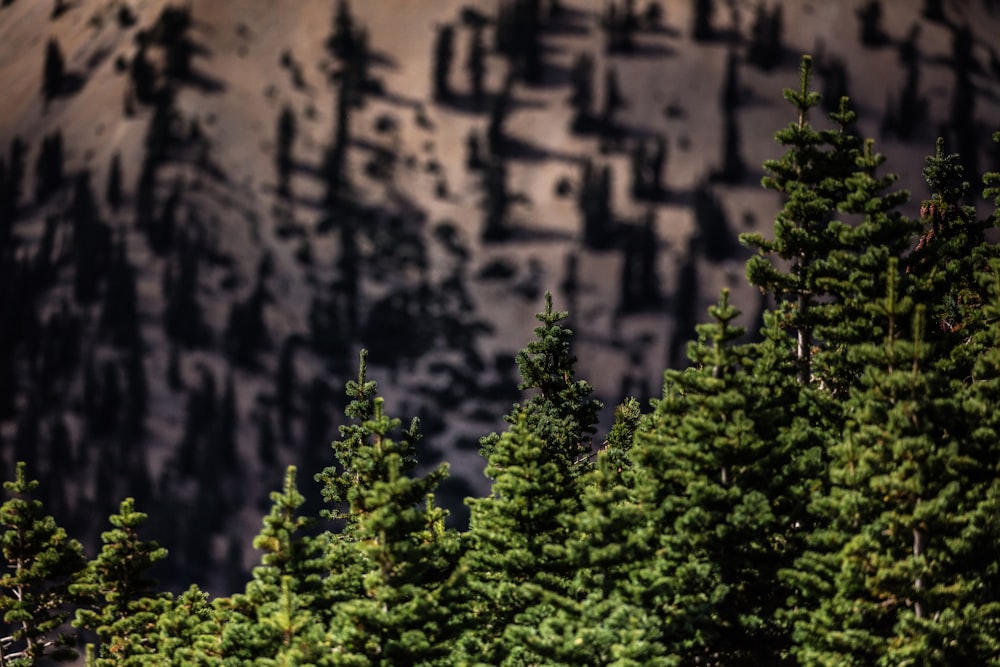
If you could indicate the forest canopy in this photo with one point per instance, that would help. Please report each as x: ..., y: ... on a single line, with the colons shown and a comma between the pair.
x: 828, y: 493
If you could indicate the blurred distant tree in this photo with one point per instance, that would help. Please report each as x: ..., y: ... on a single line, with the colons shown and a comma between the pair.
x: 141, y: 88
x: 444, y: 54
x: 582, y: 95
x: 701, y: 25
x: 286, y: 137
x: 475, y: 65
x: 113, y: 194
x: 183, y: 320
x: 870, y: 24
x: 246, y: 331
x: 594, y: 204
x: 49, y: 167
x: 766, y: 48
x: 496, y: 201
x: 91, y: 241
x: 498, y: 116
x: 614, y: 101
x: 714, y: 235
x: 55, y: 69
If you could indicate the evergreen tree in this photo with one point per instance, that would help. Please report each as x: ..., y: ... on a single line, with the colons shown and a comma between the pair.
x: 49, y: 167
x: 91, y: 241
x: 613, y: 102
x: 496, y: 201
x: 40, y: 563
x: 121, y: 604
x: 286, y: 137
x: 718, y: 491
x: 188, y: 632
x: 870, y: 24
x: 475, y: 65
x: 812, y: 175
x: 444, y: 54
x: 765, y: 50
x: 390, y: 563
x: 701, y: 25
x: 582, y: 96
x: 273, y: 621
x: 55, y: 68
x: 113, y: 194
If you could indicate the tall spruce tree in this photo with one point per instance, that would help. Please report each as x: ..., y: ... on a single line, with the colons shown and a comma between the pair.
x: 812, y: 176
x: 515, y: 561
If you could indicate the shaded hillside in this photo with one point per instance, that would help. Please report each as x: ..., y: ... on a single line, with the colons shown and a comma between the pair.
x: 209, y: 210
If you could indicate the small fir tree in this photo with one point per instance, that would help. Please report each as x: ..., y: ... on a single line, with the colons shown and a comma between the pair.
x: 121, y: 605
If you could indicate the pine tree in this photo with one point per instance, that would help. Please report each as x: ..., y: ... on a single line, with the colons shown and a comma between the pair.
x: 188, y: 632
x: 273, y: 621
x: 701, y: 26
x: 602, y: 621
x: 475, y: 65
x: 535, y: 466
x: 121, y: 604
x: 113, y: 193
x: 904, y: 580
x: 717, y: 489
x: 812, y: 175
x: 582, y: 95
x: 393, y: 557
x: 286, y: 137
x: 55, y: 68
x: 49, y: 167
x: 40, y: 563
x: 444, y: 54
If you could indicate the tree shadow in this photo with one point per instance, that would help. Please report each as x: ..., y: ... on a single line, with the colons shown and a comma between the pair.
x: 71, y: 84
x: 647, y: 50
x: 515, y: 148
x: 465, y: 102
x: 205, y: 82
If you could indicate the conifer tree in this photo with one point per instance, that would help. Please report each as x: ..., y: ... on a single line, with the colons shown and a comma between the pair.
x: 121, y: 604
x: 390, y: 563
x: 475, y: 65
x: 49, y: 167
x: 582, y: 96
x: 55, y: 68
x: 188, y: 632
x: 701, y: 22
x: 444, y: 54
x: 715, y: 486
x: 535, y: 466
x: 812, y: 175
x: 904, y: 581
x: 602, y: 619
x: 40, y: 563
x: 273, y: 621
x: 286, y: 137
x: 113, y: 193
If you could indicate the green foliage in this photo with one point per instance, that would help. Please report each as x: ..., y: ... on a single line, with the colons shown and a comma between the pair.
x: 40, y: 563
x: 393, y: 556
x: 119, y: 603
x: 829, y: 495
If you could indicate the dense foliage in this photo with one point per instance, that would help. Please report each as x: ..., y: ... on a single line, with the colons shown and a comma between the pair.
x: 826, y: 495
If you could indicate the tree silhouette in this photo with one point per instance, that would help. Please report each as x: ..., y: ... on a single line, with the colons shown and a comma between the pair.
x: 55, y: 69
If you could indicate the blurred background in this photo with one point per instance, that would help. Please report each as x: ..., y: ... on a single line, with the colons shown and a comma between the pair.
x: 208, y: 209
